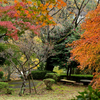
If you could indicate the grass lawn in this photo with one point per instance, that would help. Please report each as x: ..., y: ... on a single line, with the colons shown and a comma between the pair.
x: 60, y: 92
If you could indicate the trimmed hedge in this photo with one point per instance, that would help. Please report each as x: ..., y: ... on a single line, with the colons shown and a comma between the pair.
x: 5, y: 86
x: 39, y: 74
x: 1, y: 74
x: 54, y: 76
x: 78, y: 77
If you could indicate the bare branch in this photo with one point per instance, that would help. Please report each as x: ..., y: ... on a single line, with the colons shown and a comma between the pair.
x: 76, y: 4
x: 84, y: 5
x: 3, y: 35
x: 55, y: 13
x: 15, y: 66
x: 97, y: 3
x: 32, y: 67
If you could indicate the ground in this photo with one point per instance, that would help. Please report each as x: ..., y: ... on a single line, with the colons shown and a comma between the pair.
x: 60, y: 92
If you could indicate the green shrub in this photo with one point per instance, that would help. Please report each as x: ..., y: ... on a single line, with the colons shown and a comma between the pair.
x: 77, y: 77
x: 9, y: 91
x: 1, y: 74
x: 39, y: 74
x: 88, y: 94
x: 3, y: 85
x: 54, y: 76
x: 49, y: 82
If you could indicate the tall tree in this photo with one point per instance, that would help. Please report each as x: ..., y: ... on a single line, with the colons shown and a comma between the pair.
x: 32, y: 15
x: 87, y: 49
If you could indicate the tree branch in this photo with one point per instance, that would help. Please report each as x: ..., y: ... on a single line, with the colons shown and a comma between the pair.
x: 3, y: 35
x: 55, y: 13
x: 76, y: 4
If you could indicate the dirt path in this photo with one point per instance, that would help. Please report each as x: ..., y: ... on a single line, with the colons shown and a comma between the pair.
x: 18, y: 83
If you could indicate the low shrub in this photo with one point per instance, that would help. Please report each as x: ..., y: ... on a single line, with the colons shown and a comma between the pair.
x: 39, y: 74
x: 49, y: 82
x: 54, y: 76
x: 1, y: 74
x: 88, y: 94
x: 5, y: 86
x: 9, y: 91
x: 77, y: 77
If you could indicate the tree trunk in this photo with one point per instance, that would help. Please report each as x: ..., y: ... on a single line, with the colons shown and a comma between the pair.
x: 67, y: 73
x: 22, y: 90
x: 29, y: 86
x: 70, y: 72
x: 33, y: 84
x: 9, y: 74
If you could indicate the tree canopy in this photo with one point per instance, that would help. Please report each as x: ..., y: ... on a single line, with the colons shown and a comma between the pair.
x: 86, y: 50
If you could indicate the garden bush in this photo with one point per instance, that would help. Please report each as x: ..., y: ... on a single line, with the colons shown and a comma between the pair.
x: 9, y: 91
x: 77, y: 77
x: 88, y: 94
x: 5, y: 86
x: 39, y: 74
x: 49, y: 82
x: 54, y: 76
x: 1, y: 74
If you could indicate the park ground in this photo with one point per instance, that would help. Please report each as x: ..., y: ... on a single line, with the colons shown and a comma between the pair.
x: 60, y: 92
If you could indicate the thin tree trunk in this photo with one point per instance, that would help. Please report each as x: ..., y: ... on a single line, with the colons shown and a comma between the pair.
x: 22, y: 90
x: 9, y: 74
x: 33, y: 84
x: 68, y: 73
x: 29, y: 85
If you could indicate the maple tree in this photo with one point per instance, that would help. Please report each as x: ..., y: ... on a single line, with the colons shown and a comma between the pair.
x: 69, y: 20
x: 86, y: 50
x: 26, y: 15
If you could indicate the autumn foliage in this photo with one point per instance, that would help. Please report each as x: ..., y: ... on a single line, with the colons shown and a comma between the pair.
x: 86, y: 50
x: 27, y: 15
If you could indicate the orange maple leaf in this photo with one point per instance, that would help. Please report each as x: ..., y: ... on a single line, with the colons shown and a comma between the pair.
x: 50, y: 6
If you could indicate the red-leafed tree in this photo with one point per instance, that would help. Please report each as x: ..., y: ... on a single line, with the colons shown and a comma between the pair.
x: 26, y: 15
x: 86, y: 50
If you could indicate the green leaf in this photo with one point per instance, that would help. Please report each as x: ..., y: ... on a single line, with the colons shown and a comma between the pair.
x: 5, y: 38
x: 90, y: 88
x: 15, y: 61
x: 7, y: 62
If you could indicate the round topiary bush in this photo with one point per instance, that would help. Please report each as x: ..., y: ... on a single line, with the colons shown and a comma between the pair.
x: 54, y: 76
x: 49, y: 82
